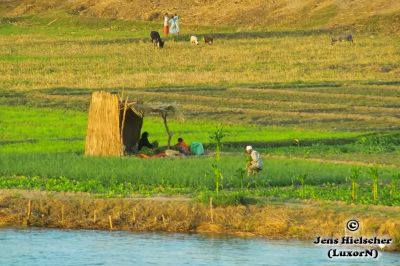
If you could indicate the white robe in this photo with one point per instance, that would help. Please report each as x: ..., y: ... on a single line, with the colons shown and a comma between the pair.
x: 174, y: 25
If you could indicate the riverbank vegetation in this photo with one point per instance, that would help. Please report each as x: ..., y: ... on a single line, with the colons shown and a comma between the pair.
x: 274, y: 220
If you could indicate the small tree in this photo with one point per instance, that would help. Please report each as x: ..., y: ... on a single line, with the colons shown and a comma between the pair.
x: 302, y: 179
x: 374, y: 176
x: 393, y: 185
x: 355, y: 175
x: 165, y: 111
x: 218, y: 176
x: 164, y: 115
x: 217, y: 138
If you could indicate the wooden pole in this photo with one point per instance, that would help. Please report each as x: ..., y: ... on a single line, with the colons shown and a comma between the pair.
x: 164, y: 117
x: 123, y: 122
x: 29, y: 212
x: 211, y: 211
x: 94, y: 216
x: 110, y: 222
x: 62, y: 214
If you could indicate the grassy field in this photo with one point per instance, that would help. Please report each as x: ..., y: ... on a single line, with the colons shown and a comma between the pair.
x: 262, y: 78
x: 268, y: 88
x: 42, y: 148
x: 28, y: 129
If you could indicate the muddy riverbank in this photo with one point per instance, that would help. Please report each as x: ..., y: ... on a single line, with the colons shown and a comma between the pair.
x: 305, y: 220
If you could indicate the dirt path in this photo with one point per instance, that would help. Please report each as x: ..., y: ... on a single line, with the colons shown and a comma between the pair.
x: 347, y: 162
x: 320, y: 160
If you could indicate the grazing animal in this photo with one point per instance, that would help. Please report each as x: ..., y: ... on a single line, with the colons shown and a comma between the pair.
x: 156, y: 39
x: 194, y: 40
x: 341, y: 38
x: 208, y: 40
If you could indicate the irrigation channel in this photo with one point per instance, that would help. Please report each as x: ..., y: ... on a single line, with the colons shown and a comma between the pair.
x: 91, y: 247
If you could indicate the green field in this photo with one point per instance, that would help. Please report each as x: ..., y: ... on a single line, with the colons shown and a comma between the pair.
x: 340, y: 103
x: 42, y: 148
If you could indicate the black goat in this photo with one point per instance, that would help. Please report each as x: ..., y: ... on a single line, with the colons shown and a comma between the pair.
x: 156, y: 39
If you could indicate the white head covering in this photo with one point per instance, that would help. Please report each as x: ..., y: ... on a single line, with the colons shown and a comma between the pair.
x: 249, y: 148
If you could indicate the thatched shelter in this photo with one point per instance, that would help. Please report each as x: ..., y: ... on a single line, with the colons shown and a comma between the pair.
x: 114, y: 124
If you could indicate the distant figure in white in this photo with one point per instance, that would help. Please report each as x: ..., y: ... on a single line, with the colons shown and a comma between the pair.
x: 255, y: 163
x: 194, y: 40
x: 174, y: 25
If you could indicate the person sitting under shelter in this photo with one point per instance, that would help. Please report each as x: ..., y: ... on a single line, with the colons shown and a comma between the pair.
x: 182, y: 147
x: 255, y: 163
x: 144, y: 142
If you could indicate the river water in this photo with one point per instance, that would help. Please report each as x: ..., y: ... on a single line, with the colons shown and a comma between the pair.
x: 82, y: 247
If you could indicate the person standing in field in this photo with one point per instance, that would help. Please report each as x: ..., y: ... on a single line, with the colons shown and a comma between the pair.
x: 255, y: 163
x: 166, y: 25
x: 174, y: 25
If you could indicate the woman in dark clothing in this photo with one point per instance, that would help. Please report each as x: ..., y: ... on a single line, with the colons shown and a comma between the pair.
x: 144, y: 141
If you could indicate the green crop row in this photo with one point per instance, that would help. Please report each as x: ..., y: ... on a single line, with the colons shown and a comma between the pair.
x: 257, y: 192
x: 176, y: 172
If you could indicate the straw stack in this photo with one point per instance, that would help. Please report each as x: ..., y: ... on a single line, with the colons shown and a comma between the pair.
x: 103, y: 136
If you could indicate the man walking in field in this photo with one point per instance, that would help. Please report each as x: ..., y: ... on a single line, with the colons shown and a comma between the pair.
x: 255, y: 163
